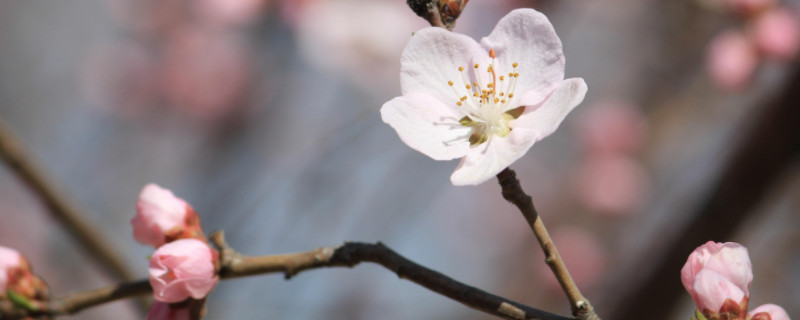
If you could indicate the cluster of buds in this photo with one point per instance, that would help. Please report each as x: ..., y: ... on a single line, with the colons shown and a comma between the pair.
x: 770, y: 32
x: 18, y: 284
x: 183, y: 270
x: 718, y: 277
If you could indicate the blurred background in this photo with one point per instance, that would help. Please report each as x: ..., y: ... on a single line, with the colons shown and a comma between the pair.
x: 263, y: 114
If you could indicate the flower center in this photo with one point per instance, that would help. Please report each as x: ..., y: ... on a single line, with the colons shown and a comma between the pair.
x: 487, y: 106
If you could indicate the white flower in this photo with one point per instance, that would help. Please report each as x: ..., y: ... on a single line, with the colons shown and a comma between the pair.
x: 486, y: 103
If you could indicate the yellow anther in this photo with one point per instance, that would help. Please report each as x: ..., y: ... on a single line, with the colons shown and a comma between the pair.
x: 459, y: 103
x: 475, y: 94
x: 503, y: 101
x: 496, y: 100
x: 516, y: 75
x: 463, y: 98
x: 450, y: 83
x: 491, y: 53
x: 510, y: 74
x: 510, y: 95
x: 475, y: 84
x: 502, y: 94
x: 514, y: 64
x: 491, y: 85
x: 460, y: 68
x: 469, y: 87
x: 502, y: 78
x: 477, y: 66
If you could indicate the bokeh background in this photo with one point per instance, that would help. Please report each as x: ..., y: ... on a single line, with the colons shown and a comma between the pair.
x: 263, y: 114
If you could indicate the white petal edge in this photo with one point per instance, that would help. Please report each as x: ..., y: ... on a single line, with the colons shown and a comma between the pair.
x: 427, y: 125
x: 484, y: 161
x: 431, y: 59
x: 546, y: 117
x: 527, y: 37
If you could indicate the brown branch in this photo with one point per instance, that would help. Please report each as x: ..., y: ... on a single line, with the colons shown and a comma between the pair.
x: 64, y: 211
x: 512, y: 191
x: 234, y: 265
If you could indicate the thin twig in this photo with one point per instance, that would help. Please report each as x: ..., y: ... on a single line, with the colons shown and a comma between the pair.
x: 60, y: 207
x: 234, y: 265
x: 512, y: 191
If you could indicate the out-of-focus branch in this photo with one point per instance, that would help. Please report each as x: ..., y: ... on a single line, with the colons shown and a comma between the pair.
x: 512, y: 191
x: 235, y: 265
x: 439, y: 13
x: 64, y: 211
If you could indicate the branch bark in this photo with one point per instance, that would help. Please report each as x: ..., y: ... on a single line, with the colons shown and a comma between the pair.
x: 512, y: 192
x: 350, y: 254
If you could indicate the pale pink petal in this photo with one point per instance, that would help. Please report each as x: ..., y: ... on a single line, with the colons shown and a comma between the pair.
x: 428, y: 125
x: 775, y: 312
x: 9, y: 259
x: 181, y: 269
x: 431, y: 59
x: 158, y: 210
x: 777, y: 33
x: 546, y: 118
x: 731, y: 60
x: 713, y: 289
x: 733, y: 261
x: 163, y: 311
x: 527, y: 37
x: 486, y: 160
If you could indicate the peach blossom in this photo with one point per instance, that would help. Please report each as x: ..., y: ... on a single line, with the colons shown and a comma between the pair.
x: 445, y: 113
x: 181, y: 269
x: 717, y: 272
x: 731, y: 60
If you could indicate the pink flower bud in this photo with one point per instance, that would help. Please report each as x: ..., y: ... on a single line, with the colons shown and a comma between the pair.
x: 165, y: 311
x: 768, y: 312
x: 777, y: 33
x: 731, y: 60
x: 10, y: 259
x: 162, y: 217
x: 716, y: 272
x: 181, y: 269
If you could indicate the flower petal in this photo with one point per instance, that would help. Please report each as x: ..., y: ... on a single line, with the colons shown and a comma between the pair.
x: 432, y: 58
x: 484, y: 161
x: 713, y: 289
x: 527, y: 37
x: 775, y: 312
x: 427, y: 125
x: 546, y: 117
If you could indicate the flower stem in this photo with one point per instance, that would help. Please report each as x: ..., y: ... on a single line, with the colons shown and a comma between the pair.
x: 512, y: 191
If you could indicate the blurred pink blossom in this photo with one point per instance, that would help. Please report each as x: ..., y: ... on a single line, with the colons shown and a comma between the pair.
x: 718, y: 275
x: 181, y: 269
x: 731, y: 60
x: 162, y: 217
x: 777, y: 33
x: 612, y: 126
x: 231, y: 12
x: 584, y: 255
x: 768, y: 312
x: 611, y: 184
x: 206, y: 72
x: 164, y: 311
x: 9, y: 259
